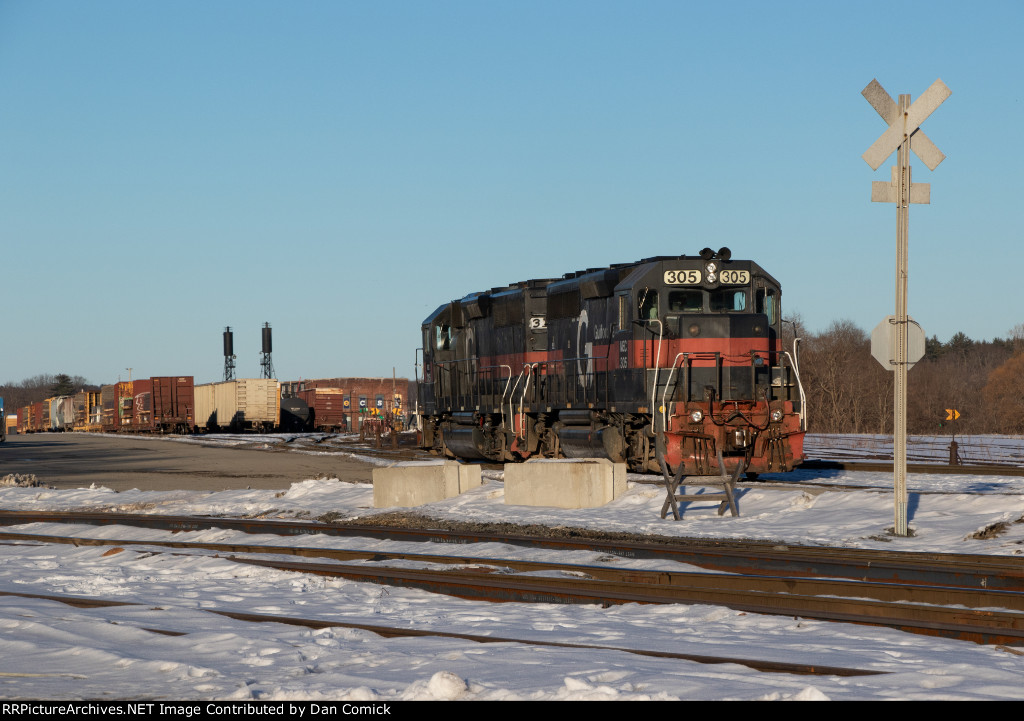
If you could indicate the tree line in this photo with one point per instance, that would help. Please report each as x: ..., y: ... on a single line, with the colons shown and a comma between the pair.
x: 848, y: 391
x: 34, y: 389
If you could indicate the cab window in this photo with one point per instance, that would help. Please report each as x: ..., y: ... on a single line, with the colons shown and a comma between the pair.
x: 648, y: 304
x: 766, y: 303
x: 442, y: 336
x: 686, y: 301
x: 728, y: 300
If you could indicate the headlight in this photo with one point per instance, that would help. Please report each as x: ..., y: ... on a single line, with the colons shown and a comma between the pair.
x: 711, y: 268
x: 776, y: 416
x: 696, y: 416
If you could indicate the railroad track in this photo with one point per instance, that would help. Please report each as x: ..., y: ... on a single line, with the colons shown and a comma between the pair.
x: 937, y: 468
x: 405, y: 632
x: 977, y: 598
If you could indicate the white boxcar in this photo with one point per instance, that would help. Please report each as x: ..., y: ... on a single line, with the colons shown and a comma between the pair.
x: 239, y: 405
x: 62, y: 413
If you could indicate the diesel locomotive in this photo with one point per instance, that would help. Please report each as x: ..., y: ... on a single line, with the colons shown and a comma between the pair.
x: 672, y: 359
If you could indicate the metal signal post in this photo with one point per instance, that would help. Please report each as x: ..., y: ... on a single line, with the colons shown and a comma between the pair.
x: 903, y: 135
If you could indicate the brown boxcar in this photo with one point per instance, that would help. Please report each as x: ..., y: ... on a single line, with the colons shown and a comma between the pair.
x: 117, y: 401
x: 138, y: 410
x: 174, y: 404
x: 326, y: 408
x: 35, y: 423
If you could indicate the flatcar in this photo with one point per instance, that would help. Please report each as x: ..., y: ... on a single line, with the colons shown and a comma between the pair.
x: 671, y: 359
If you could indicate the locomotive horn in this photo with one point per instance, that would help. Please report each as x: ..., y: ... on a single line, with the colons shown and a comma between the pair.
x: 707, y: 254
x: 725, y: 254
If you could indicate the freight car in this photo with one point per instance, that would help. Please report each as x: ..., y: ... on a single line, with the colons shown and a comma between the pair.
x: 674, y: 359
x: 162, y: 404
x: 246, y: 404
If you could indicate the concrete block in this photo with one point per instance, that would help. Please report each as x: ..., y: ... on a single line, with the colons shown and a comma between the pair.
x: 564, y: 482
x: 416, y: 483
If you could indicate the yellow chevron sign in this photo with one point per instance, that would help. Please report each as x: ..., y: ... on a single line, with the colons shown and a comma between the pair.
x: 952, y: 414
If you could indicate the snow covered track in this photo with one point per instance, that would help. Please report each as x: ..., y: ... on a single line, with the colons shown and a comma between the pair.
x: 396, y: 632
x: 223, y: 658
x: 937, y: 597
x: 994, y: 572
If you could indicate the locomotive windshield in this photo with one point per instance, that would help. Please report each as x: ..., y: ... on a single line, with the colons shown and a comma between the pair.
x: 686, y: 301
x: 693, y: 300
x: 726, y: 300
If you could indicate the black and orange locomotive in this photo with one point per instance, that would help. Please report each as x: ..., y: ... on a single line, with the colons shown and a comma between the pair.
x: 674, y: 358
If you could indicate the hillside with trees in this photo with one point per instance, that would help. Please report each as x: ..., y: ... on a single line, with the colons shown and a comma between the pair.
x: 848, y: 391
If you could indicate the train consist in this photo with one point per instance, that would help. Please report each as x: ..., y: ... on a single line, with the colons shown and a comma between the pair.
x: 174, y: 404
x: 668, y: 358
x: 166, y: 404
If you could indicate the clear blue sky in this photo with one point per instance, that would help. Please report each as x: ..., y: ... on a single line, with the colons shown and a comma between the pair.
x: 340, y: 169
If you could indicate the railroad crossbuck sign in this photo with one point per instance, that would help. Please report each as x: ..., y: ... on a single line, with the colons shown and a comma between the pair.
x: 891, y: 139
x: 919, y: 111
x: 897, y: 342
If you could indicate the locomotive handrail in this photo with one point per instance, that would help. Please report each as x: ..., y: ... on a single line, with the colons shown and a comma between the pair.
x: 799, y: 385
x: 552, y: 361
x: 657, y: 360
x: 528, y: 370
x: 566, y: 360
x: 664, y: 394
x: 511, y: 412
x: 508, y: 381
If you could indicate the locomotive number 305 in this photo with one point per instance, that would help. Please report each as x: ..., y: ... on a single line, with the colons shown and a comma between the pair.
x: 682, y: 277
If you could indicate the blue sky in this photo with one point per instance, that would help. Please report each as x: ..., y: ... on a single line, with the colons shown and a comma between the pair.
x: 339, y: 169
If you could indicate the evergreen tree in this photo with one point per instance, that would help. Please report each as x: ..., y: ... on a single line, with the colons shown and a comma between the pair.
x: 63, y: 385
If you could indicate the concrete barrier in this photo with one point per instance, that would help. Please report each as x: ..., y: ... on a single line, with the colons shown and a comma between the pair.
x: 564, y: 482
x: 415, y: 483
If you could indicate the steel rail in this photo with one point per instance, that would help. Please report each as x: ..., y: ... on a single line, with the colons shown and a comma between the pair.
x: 987, y: 626
x: 936, y: 468
x: 647, y: 579
x: 822, y: 599
x: 962, y: 570
x: 395, y: 632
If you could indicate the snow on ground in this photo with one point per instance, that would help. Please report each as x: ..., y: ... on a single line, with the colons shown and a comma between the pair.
x: 971, y: 449
x: 53, y: 651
